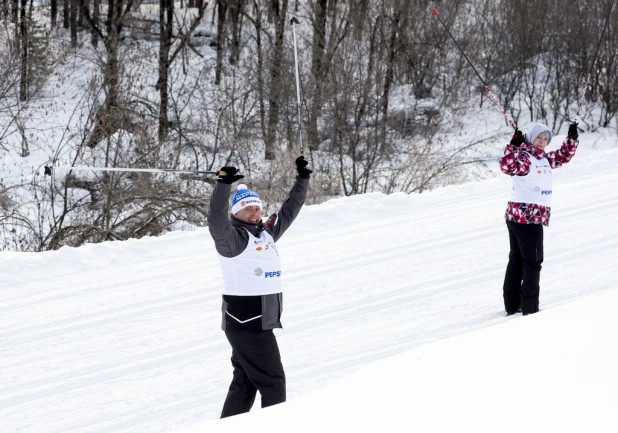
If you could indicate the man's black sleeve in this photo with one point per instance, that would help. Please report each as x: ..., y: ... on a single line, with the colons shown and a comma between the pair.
x: 229, y: 241
x: 278, y: 223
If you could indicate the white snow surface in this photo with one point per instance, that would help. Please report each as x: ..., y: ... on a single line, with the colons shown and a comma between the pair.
x: 393, y: 320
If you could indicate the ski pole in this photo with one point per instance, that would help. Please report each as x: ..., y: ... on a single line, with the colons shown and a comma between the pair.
x: 48, y: 170
x: 581, y: 98
x: 491, y: 94
x: 300, y: 125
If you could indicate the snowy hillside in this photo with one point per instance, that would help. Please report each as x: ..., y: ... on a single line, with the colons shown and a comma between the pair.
x: 124, y: 336
x: 553, y: 372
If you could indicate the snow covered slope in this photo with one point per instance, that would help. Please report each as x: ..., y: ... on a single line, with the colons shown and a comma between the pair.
x: 552, y: 372
x: 124, y: 336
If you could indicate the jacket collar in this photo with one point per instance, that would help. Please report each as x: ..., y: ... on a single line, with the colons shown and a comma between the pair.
x: 254, y: 229
x: 533, y: 150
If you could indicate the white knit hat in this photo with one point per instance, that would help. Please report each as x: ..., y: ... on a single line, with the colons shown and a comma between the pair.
x: 536, y: 130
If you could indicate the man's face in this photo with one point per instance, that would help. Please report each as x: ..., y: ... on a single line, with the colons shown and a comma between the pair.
x: 250, y: 214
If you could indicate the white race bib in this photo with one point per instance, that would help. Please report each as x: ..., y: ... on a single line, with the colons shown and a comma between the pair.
x: 536, y: 186
x: 256, y: 271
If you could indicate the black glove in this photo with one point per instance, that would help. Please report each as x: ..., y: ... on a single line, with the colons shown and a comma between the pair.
x: 228, y: 175
x: 518, y: 138
x: 301, y: 167
x: 573, y: 132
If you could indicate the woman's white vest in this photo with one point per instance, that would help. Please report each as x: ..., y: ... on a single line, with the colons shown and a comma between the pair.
x: 536, y: 186
x: 256, y: 271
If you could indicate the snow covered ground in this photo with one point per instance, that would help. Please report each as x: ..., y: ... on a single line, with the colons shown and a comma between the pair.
x: 382, y: 295
x: 552, y: 372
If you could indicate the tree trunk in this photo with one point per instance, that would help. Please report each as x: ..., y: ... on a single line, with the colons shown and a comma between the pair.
x: 166, y: 27
x: 111, y: 12
x: 15, y: 11
x: 166, y: 57
x: 96, y: 18
x: 221, y: 12
x: 317, y: 59
x: 275, y: 78
x: 390, y: 60
x: 66, y: 9
x: 74, y: 23
x: 273, y: 11
x: 112, y: 78
x: 109, y: 117
x: 54, y: 12
x: 236, y: 18
x: 323, y: 50
x: 23, y: 33
x: 83, y: 7
x: 358, y: 15
x: 260, y: 65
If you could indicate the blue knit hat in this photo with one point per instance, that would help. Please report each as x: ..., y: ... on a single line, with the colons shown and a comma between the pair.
x: 243, y: 198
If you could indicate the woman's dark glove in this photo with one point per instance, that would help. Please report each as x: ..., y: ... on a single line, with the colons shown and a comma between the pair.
x: 573, y: 132
x: 518, y: 138
x: 301, y: 167
x: 228, y: 175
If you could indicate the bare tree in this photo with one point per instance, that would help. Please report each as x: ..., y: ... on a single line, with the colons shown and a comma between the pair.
x: 278, y: 11
x: 73, y: 21
x: 96, y: 18
x: 81, y: 12
x: 10, y: 107
x: 221, y: 7
x: 167, y: 57
x: 15, y: 11
x: 317, y: 68
x: 112, y: 115
x: 606, y: 73
x: 323, y: 51
x: 166, y: 33
x: 23, y: 33
x: 236, y: 15
x: 54, y: 12
x: 66, y: 11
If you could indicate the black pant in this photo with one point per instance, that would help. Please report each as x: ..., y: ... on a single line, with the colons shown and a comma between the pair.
x: 257, y: 366
x: 521, y: 282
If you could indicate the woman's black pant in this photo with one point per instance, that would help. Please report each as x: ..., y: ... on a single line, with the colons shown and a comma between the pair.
x: 257, y: 367
x: 523, y: 272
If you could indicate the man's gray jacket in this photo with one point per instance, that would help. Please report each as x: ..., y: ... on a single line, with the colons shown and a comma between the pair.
x: 231, y: 239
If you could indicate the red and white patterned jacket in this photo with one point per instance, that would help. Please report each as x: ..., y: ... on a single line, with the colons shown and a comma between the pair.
x: 516, y: 162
